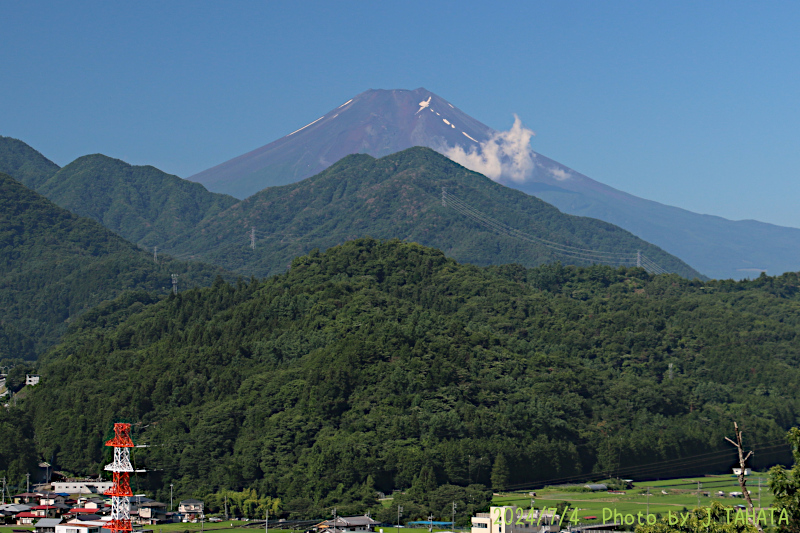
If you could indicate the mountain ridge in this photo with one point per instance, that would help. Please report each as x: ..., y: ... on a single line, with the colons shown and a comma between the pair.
x: 400, y: 196
x: 377, y: 121
x: 56, y: 265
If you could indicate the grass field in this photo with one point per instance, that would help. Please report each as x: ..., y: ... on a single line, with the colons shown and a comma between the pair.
x: 680, y: 494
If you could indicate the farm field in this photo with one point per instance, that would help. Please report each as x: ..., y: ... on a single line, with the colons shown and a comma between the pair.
x: 665, y: 495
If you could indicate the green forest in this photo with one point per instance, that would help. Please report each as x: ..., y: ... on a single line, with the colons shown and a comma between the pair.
x: 384, y: 365
x: 55, y: 265
x: 400, y: 196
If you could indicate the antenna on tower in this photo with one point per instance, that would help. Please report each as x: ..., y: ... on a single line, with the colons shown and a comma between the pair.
x: 253, y: 237
x: 444, y: 197
x: 175, y: 284
x: 155, y: 254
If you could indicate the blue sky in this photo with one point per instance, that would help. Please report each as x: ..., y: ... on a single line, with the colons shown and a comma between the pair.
x: 693, y: 104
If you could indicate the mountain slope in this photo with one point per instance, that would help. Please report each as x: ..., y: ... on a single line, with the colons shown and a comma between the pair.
x: 55, y: 265
x: 400, y: 196
x: 717, y: 247
x: 368, y: 363
x: 24, y: 164
x: 141, y: 203
x: 379, y: 122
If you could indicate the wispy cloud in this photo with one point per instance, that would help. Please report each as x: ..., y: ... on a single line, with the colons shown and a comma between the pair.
x: 507, y: 154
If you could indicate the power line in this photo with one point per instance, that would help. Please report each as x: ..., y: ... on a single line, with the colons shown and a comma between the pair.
x: 598, y: 256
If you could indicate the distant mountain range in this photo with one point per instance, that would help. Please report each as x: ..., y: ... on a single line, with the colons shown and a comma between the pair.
x: 380, y: 122
x: 400, y: 196
x: 484, y: 223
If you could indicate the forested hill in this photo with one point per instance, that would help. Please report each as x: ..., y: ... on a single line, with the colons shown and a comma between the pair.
x: 367, y: 365
x: 55, y: 265
x: 141, y: 203
x: 400, y: 196
x: 24, y: 164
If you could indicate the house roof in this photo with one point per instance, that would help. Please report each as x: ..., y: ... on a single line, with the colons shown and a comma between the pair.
x: 27, y: 514
x: 15, y: 507
x: 344, y: 521
x: 41, y: 507
x: 153, y: 504
x: 47, y: 522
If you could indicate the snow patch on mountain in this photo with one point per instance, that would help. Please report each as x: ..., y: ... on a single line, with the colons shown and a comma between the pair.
x: 307, y: 125
x: 423, y: 104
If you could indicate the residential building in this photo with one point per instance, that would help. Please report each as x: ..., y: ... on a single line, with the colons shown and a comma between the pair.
x: 512, y: 519
x: 32, y: 379
x: 82, y: 486
x: 191, y: 509
x: 152, y: 513
x: 75, y: 526
x: 47, y: 525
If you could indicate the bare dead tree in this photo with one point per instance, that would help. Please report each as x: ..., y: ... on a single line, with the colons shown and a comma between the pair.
x: 742, y: 480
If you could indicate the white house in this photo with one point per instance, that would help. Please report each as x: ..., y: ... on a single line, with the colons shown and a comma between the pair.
x: 512, y: 519
x: 31, y: 379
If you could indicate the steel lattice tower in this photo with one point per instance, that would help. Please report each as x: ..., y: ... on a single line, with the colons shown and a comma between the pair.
x: 121, y: 491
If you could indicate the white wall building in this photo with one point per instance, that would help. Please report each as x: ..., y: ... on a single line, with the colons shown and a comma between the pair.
x: 82, y: 487
x: 32, y: 379
x: 513, y: 519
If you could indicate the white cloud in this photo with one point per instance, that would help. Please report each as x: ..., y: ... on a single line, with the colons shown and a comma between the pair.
x: 559, y: 173
x: 506, y: 154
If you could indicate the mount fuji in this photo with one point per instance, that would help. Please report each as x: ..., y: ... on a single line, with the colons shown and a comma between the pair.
x: 381, y: 122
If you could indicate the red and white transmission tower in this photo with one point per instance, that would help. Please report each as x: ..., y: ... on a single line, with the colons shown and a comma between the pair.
x: 121, y: 491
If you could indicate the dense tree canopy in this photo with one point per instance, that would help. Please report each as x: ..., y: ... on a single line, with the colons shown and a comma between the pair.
x: 55, y: 265
x: 382, y: 365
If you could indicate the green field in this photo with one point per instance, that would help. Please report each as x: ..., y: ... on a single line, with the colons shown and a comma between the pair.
x: 680, y: 493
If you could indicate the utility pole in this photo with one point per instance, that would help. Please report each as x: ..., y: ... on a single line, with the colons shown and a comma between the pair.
x: 175, y: 284
x: 742, y: 459
x: 155, y: 254
x: 27, y: 482
x: 226, y: 506
x: 266, y: 522
x: 430, y: 523
x: 638, y: 258
x: 399, y: 514
x: 253, y: 237
x: 698, y: 494
x: 170, y: 497
x: 454, y: 516
x: 4, y: 492
x: 334, y: 519
x: 648, y: 501
x: 444, y: 198
x: 759, y: 492
x: 670, y: 371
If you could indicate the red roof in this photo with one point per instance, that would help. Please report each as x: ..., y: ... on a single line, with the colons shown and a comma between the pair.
x: 82, y: 510
x: 26, y: 514
x: 44, y: 507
